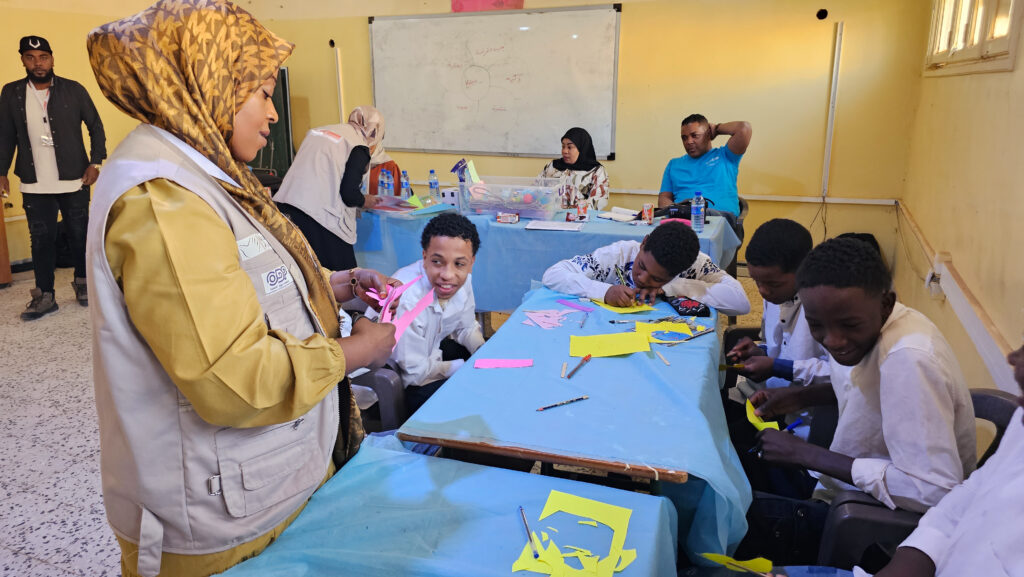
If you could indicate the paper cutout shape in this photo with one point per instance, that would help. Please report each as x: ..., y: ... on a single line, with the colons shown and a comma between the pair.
x: 415, y: 201
x: 404, y: 322
x: 502, y: 363
x: 651, y: 328
x: 667, y: 337
x: 758, y: 422
x: 591, y: 523
x: 547, y: 319
x: 758, y: 565
x: 608, y: 345
x: 577, y: 306
x: 625, y: 310
x: 552, y: 560
x: 553, y: 529
x: 386, y: 300
x: 529, y: 323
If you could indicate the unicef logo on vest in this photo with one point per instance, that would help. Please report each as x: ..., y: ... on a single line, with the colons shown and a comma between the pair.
x: 277, y: 279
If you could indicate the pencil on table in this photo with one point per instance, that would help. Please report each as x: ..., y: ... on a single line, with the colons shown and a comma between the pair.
x: 564, y: 366
x: 663, y: 359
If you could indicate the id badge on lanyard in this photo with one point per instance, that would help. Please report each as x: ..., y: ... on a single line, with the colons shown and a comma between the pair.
x: 47, y: 140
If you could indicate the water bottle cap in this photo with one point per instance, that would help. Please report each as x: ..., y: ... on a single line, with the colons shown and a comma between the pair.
x: 431, y: 171
x: 698, y: 193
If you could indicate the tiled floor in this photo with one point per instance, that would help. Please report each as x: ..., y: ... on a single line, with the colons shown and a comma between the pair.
x: 52, y: 521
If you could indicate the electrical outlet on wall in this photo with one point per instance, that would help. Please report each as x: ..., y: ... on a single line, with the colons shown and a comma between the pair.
x: 932, y: 285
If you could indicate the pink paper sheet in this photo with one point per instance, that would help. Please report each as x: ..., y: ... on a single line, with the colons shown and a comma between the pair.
x: 576, y: 306
x: 404, y: 322
x: 502, y: 363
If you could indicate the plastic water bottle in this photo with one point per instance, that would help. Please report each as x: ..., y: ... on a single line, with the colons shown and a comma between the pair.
x: 391, y: 184
x: 697, y: 213
x: 382, y: 183
x: 406, y: 190
x: 435, y: 187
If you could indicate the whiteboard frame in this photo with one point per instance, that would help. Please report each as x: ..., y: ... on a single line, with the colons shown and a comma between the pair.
x: 615, y: 65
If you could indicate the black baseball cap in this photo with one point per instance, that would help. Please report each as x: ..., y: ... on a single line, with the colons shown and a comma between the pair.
x: 34, y: 43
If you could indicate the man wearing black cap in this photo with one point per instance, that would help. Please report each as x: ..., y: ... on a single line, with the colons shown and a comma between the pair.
x: 41, y: 117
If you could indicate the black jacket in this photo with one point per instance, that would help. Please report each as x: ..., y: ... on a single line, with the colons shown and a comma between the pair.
x: 69, y: 106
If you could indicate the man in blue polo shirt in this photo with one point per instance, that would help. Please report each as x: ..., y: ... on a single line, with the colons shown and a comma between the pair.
x: 712, y: 171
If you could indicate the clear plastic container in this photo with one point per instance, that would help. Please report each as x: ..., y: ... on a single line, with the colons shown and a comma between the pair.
x: 535, y: 198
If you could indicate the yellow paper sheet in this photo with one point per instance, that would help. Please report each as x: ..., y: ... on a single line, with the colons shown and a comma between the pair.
x: 650, y: 328
x: 473, y: 176
x: 759, y: 565
x: 623, y: 310
x: 588, y: 522
x: 552, y: 560
x: 758, y: 422
x: 608, y: 345
x: 415, y: 201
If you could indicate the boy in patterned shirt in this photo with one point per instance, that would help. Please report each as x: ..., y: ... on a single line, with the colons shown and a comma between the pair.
x: 667, y: 262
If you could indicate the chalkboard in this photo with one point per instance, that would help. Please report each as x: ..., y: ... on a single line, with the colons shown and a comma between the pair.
x: 503, y: 83
x: 277, y: 155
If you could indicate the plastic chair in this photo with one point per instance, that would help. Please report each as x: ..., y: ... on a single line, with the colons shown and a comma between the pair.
x: 390, y: 396
x: 857, y: 522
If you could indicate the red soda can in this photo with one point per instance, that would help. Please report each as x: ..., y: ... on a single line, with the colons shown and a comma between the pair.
x: 647, y: 215
x: 581, y: 211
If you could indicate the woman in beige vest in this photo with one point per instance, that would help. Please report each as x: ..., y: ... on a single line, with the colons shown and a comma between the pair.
x: 220, y: 377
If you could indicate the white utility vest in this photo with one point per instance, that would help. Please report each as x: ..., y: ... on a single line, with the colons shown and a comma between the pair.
x: 171, y: 481
x: 313, y: 182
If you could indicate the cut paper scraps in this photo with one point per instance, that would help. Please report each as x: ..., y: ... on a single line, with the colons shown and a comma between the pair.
x: 502, y: 363
x: 577, y: 306
x: 552, y: 559
x: 759, y: 423
x: 650, y: 328
x: 608, y: 345
x: 759, y: 566
x: 547, y: 319
x: 636, y: 308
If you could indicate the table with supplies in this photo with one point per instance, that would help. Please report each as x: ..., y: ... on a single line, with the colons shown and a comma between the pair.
x: 644, y: 416
x: 510, y: 256
x: 390, y: 511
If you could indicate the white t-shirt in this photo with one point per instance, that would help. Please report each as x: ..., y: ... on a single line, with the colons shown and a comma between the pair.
x: 43, y: 155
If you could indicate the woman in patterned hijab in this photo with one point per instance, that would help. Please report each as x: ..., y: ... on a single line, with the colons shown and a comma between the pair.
x: 203, y: 71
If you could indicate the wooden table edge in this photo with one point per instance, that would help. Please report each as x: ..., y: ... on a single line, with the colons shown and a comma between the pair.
x: 643, y: 471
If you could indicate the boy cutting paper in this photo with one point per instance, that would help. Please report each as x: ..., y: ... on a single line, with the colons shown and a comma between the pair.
x: 905, y: 433
x: 450, y: 242
x: 668, y: 262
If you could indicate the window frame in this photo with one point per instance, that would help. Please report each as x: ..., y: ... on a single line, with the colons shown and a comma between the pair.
x: 968, y: 18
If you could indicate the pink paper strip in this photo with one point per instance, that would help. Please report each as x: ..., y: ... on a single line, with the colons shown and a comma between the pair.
x: 529, y: 323
x: 502, y: 363
x: 404, y: 322
x: 576, y: 306
x: 393, y: 293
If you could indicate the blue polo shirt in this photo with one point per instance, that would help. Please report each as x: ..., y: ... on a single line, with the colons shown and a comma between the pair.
x: 713, y: 174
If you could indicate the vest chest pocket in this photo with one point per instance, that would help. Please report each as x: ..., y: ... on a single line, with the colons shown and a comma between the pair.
x: 278, y: 294
x: 262, y: 470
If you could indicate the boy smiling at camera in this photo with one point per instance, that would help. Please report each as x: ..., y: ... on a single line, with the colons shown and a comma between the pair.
x: 906, y: 427
x: 450, y: 242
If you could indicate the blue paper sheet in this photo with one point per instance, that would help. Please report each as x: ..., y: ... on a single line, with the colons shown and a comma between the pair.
x: 393, y: 512
x: 511, y: 256
x: 640, y: 411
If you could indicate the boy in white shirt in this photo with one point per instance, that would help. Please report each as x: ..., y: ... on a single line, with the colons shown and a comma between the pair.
x: 668, y: 262
x: 906, y: 423
x: 450, y: 242
x: 976, y: 529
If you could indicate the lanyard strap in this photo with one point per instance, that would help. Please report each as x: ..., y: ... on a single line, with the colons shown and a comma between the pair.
x: 43, y: 102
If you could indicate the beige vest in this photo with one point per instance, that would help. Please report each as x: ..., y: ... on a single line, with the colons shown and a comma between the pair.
x: 313, y: 182
x: 171, y: 481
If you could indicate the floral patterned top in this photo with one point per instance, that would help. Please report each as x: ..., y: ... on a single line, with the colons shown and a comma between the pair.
x: 591, y: 185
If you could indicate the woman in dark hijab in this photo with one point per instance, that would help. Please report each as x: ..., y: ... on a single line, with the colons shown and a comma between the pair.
x: 583, y: 177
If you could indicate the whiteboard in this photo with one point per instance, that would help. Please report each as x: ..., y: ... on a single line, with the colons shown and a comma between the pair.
x: 501, y: 83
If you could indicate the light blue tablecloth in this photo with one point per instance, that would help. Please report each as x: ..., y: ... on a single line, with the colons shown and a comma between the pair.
x: 393, y: 512
x: 640, y: 412
x: 511, y: 256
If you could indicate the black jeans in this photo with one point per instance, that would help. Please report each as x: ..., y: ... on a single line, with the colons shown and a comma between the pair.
x: 416, y: 396
x: 41, y: 213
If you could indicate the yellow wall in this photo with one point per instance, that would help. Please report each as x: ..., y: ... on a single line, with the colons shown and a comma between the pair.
x: 766, y: 62
x: 965, y: 185
x: 65, y: 25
